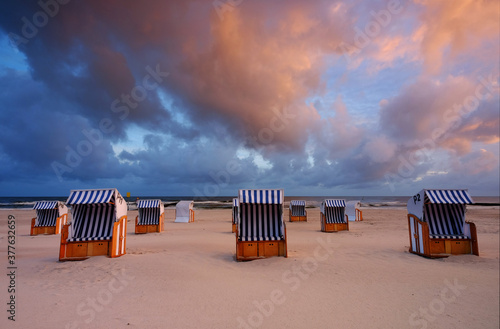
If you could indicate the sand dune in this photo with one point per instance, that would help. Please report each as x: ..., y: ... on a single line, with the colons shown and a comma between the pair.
x: 186, y: 277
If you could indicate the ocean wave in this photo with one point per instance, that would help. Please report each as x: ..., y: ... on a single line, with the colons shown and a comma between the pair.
x: 226, y: 202
x: 387, y: 204
x: 17, y: 205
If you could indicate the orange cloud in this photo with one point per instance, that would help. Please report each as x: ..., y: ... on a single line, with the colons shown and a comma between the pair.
x: 454, y: 27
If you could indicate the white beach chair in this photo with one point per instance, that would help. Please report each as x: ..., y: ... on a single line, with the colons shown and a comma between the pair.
x: 353, y: 211
x: 184, y: 212
x: 437, y: 226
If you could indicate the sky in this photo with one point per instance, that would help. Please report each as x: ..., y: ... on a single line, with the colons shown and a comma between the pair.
x: 202, y: 98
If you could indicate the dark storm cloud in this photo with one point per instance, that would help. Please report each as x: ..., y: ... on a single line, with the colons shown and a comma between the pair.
x: 203, y: 87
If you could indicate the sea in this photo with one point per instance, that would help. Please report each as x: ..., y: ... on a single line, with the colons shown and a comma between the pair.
x: 226, y: 201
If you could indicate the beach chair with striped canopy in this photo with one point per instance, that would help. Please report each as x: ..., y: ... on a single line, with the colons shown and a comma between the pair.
x: 333, y: 217
x: 184, y: 212
x: 261, y: 229
x: 437, y: 226
x: 98, y: 225
x: 297, y: 211
x: 353, y: 211
x: 50, y: 217
x: 150, y: 217
x: 236, y: 205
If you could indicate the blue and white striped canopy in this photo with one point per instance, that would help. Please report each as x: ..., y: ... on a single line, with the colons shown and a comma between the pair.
x: 334, y: 203
x: 148, y: 203
x: 90, y: 196
x: 45, y: 205
x: 297, y: 203
x: 261, y: 196
x: 91, y: 223
x: 448, y: 197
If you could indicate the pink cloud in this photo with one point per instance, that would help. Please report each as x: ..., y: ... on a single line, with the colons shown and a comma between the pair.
x: 454, y: 27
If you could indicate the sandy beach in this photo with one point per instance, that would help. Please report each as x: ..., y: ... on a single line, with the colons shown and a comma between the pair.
x: 111, y: 108
x: 187, y: 277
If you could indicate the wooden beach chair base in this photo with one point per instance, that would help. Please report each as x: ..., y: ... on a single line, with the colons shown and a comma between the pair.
x: 85, y: 249
x: 36, y: 230
x: 154, y: 228
x: 422, y: 244
x: 80, y: 250
x: 250, y: 250
x: 333, y: 227
x: 297, y: 218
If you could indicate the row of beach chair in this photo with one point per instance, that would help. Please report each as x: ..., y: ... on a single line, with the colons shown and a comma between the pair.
x: 99, y: 222
x: 436, y: 222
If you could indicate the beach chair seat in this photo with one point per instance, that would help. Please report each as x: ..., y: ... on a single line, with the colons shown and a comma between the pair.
x: 297, y: 211
x: 97, y: 238
x: 50, y: 217
x: 447, y: 236
x: 150, y: 217
x: 437, y: 226
x: 261, y: 230
x: 333, y: 217
x: 98, y: 226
